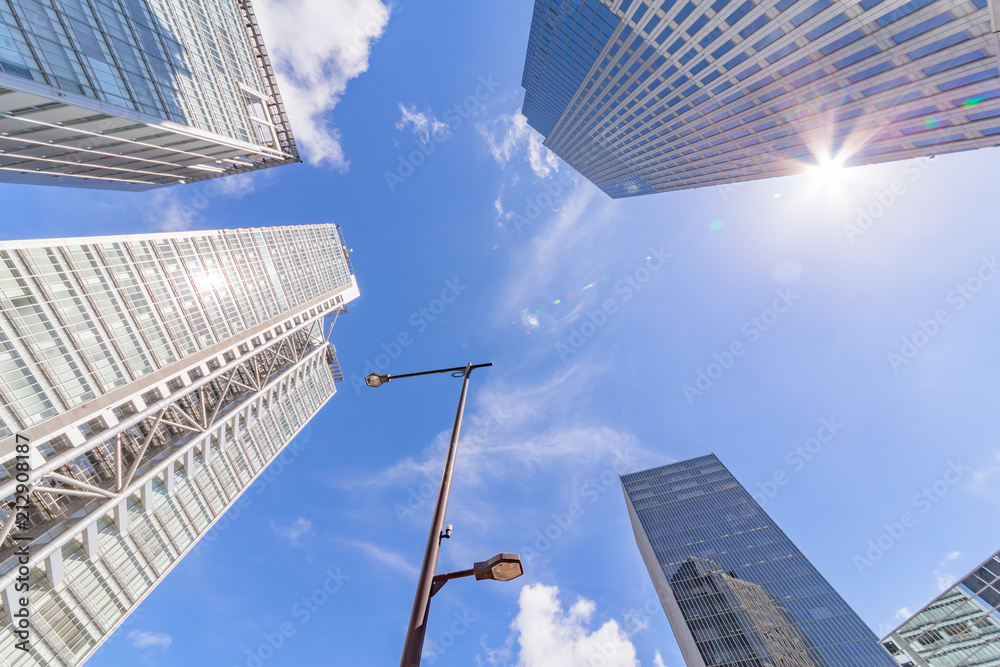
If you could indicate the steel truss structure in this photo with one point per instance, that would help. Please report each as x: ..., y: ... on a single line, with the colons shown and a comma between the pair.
x: 197, y: 357
x: 147, y: 489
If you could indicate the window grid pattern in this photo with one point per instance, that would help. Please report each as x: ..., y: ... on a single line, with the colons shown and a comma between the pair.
x: 687, y: 94
x: 80, y: 319
x: 97, y: 593
x: 566, y: 39
x: 960, y: 628
x: 746, y: 594
x: 178, y: 61
x: 136, y: 94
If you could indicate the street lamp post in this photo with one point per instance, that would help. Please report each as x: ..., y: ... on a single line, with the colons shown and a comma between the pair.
x: 502, y: 567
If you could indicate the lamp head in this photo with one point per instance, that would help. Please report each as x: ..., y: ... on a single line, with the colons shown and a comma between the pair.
x: 376, y: 379
x: 502, y: 567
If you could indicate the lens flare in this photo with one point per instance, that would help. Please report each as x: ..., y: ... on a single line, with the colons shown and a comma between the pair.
x: 828, y: 171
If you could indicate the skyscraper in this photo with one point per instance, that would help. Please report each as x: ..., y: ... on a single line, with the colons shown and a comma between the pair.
x: 135, y: 94
x: 145, y: 382
x: 645, y: 96
x: 959, y: 628
x: 735, y: 589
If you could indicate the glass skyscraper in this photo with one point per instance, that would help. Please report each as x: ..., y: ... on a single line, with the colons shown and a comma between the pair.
x: 134, y: 94
x: 735, y: 589
x: 644, y: 96
x: 959, y: 628
x: 145, y: 382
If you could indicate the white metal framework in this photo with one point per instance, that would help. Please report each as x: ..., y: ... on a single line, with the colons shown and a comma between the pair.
x: 125, y: 478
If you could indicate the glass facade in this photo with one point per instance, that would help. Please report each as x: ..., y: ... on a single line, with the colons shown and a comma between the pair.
x: 155, y: 377
x: 692, y: 93
x: 736, y: 591
x: 959, y: 628
x: 82, y: 318
x: 199, y: 65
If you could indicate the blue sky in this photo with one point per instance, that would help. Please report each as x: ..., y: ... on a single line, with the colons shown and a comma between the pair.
x: 597, y: 315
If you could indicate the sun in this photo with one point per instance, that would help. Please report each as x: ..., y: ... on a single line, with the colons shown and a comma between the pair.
x: 828, y: 172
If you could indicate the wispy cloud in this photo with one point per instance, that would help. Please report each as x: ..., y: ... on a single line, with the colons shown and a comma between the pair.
x: 986, y: 481
x: 942, y: 577
x: 142, y: 639
x: 510, y: 136
x: 504, y: 436
x: 318, y: 46
x: 394, y: 561
x: 546, y: 635
x: 553, y: 257
x: 237, y: 186
x: 658, y: 660
x: 168, y: 212
x: 179, y: 208
x: 293, y: 532
x: 423, y: 123
x: 903, y: 613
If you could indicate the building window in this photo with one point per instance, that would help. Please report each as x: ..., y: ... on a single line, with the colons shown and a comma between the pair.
x: 260, y: 117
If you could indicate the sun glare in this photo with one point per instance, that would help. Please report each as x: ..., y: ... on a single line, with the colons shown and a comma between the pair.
x: 828, y: 172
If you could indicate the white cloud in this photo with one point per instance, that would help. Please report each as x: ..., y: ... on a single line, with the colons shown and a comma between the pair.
x: 636, y: 621
x: 943, y: 578
x: 142, y: 639
x: 658, y: 660
x: 986, y: 482
x: 529, y: 320
x: 178, y: 208
x: 169, y: 213
x: 317, y: 47
x: 903, y: 613
x: 548, y: 636
x: 294, y: 532
x: 425, y: 125
x: 237, y: 186
x: 510, y: 135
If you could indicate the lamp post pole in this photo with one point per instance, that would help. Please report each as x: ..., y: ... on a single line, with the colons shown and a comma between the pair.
x: 422, y: 601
